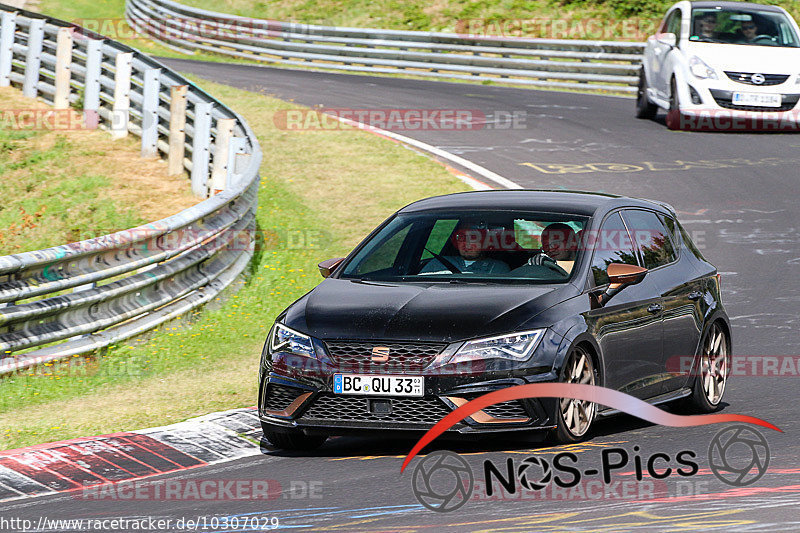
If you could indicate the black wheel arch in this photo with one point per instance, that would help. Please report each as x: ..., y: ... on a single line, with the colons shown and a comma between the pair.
x: 579, y: 336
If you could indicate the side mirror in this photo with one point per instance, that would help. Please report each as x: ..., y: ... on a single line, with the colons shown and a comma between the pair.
x: 327, y: 267
x: 669, y: 39
x: 619, y: 276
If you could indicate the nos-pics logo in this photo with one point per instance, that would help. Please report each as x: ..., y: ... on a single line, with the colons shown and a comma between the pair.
x: 443, y: 481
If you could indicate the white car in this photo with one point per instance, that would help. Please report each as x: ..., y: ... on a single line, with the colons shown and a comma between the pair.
x: 722, y: 59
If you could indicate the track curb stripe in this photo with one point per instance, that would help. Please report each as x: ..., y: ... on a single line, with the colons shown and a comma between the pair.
x: 75, y: 464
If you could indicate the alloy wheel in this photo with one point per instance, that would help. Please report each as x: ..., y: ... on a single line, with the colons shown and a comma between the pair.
x: 578, y: 414
x: 714, y: 365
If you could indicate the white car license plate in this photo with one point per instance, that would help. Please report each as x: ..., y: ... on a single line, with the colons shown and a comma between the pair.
x: 757, y: 99
x: 378, y: 385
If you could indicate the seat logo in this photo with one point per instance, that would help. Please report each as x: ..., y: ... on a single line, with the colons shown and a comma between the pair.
x: 380, y: 354
x: 757, y: 79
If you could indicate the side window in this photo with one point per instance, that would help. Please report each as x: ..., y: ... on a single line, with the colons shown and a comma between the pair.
x: 528, y: 233
x: 612, y: 245
x: 440, y: 232
x: 651, y: 238
x: 687, y: 240
x: 674, y: 23
x: 664, y: 23
x: 669, y: 223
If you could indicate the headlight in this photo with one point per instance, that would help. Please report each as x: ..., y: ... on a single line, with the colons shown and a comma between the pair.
x: 283, y: 339
x: 515, y: 346
x: 700, y: 69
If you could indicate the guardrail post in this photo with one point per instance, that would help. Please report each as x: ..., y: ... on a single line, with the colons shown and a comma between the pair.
x: 91, y: 93
x: 152, y: 86
x: 201, y: 142
x: 177, y: 131
x: 63, y: 68
x: 222, y: 161
x: 33, y: 59
x: 236, y: 150
x: 122, y: 95
x: 8, y: 27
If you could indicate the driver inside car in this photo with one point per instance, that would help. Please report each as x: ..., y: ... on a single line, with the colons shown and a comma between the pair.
x: 470, y: 241
x: 559, y: 246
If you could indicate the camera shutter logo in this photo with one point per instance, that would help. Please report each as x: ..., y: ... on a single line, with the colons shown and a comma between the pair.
x: 527, y: 477
x: 380, y: 354
x: 738, y: 455
x: 443, y: 481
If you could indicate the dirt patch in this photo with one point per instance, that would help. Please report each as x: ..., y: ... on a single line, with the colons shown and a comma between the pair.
x: 140, y: 184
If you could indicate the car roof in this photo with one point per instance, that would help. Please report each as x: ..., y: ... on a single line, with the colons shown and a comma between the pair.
x: 575, y: 202
x: 737, y: 5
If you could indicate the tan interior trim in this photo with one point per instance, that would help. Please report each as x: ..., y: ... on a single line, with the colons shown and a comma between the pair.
x: 482, y: 417
x: 289, y: 411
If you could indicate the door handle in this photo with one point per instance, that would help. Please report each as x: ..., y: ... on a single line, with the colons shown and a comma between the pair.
x: 654, y: 308
x: 695, y: 295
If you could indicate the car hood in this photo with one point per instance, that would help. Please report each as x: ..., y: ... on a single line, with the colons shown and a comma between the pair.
x: 747, y: 58
x: 351, y: 309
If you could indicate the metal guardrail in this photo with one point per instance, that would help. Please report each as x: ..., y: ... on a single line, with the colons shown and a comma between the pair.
x: 574, y: 64
x: 78, y: 297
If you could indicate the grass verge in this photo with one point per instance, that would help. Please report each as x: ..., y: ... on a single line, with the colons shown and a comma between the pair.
x: 321, y: 191
x: 67, y: 185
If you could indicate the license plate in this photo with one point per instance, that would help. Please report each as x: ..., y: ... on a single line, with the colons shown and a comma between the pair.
x: 378, y: 385
x: 757, y: 99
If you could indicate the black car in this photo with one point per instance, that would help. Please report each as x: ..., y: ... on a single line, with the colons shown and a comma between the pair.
x: 459, y: 295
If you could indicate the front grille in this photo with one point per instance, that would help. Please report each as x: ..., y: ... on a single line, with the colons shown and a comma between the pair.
x: 746, y: 78
x: 357, y: 356
x: 512, y: 409
x: 724, y: 99
x: 279, y: 397
x: 337, y: 408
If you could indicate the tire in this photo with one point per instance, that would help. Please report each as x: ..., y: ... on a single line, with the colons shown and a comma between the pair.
x: 644, y: 108
x: 292, y: 439
x: 574, y: 418
x: 674, y: 113
x: 711, y: 374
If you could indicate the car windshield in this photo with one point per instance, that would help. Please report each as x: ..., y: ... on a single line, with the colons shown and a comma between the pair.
x: 484, y: 246
x: 742, y: 26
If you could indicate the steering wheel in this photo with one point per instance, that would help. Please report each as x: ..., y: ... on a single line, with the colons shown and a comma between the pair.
x: 764, y: 38
x: 554, y: 267
x: 550, y: 263
x: 446, y: 262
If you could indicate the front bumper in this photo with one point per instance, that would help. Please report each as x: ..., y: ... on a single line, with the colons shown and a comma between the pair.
x: 297, y: 392
x: 708, y: 105
x: 286, y: 403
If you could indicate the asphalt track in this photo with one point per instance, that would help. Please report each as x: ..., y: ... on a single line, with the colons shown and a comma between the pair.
x: 736, y: 192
